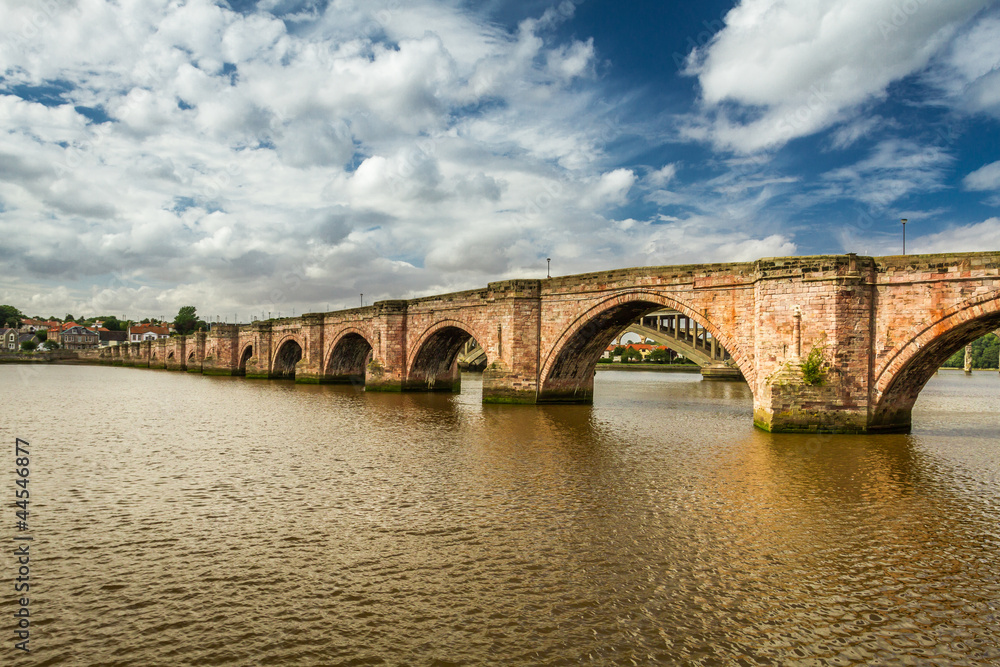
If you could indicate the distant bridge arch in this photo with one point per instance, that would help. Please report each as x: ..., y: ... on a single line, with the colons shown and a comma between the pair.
x: 567, y: 373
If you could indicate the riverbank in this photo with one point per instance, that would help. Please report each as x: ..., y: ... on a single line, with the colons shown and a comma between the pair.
x: 38, y: 357
x: 663, y: 368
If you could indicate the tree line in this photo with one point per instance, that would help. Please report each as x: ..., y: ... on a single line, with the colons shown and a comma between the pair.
x: 985, y: 354
x: 186, y: 321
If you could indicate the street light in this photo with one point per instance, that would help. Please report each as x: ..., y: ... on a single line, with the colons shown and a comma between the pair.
x: 903, y: 220
x: 548, y: 267
x: 362, y: 299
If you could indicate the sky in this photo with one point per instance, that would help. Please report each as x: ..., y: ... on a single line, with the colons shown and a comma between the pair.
x: 290, y: 156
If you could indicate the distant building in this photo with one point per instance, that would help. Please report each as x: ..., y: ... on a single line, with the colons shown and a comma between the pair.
x: 644, y: 349
x: 8, y: 340
x: 32, y: 325
x: 27, y: 337
x: 73, y: 336
x: 111, y: 337
x: 141, y: 332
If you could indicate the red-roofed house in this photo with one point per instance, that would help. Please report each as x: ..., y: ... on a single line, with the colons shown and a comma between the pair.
x: 141, y: 332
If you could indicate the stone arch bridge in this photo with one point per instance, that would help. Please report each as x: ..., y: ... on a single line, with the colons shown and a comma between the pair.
x: 877, y: 328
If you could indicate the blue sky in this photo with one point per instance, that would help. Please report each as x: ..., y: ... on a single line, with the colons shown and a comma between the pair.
x: 289, y: 155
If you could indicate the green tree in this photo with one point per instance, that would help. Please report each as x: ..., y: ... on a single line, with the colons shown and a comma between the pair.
x: 985, y: 354
x: 50, y: 345
x: 187, y: 321
x: 111, y: 323
x: 659, y: 356
x: 631, y: 355
x: 69, y: 318
x: 10, y: 317
x: 619, y: 351
x: 29, y: 346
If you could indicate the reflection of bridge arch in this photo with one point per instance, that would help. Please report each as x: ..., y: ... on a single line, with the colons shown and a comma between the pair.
x: 902, y: 375
x: 567, y: 373
x: 433, y: 365
x: 348, y: 357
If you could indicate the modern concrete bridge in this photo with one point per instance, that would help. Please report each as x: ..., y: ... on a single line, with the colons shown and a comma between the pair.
x: 684, y: 335
x: 876, y: 329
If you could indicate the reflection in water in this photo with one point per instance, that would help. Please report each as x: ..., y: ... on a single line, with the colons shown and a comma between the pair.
x: 219, y: 521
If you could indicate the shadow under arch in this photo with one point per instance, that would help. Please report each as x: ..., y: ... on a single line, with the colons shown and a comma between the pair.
x: 567, y: 374
x: 902, y: 377
x: 244, y: 358
x: 434, y: 364
x: 348, y: 359
x: 289, y: 353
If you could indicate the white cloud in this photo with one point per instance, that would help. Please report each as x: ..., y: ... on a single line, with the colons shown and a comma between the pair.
x: 894, y: 169
x: 970, y: 74
x: 962, y: 238
x: 257, y: 163
x: 781, y: 69
x: 986, y: 177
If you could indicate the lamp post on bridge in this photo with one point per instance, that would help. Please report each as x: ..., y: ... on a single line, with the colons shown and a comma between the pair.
x: 548, y: 267
x: 903, y: 220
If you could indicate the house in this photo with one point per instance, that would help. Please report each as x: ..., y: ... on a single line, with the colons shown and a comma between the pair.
x: 32, y: 325
x: 141, y: 332
x: 27, y: 337
x: 74, y: 336
x: 111, y: 337
x: 8, y: 340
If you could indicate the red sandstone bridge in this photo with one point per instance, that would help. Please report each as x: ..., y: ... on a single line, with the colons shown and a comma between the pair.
x: 880, y: 327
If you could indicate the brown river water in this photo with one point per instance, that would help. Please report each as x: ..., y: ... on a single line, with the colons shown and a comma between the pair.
x: 187, y: 520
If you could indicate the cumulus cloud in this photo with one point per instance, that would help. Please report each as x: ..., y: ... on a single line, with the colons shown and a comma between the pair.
x: 779, y: 69
x: 962, y: 238
x: 159, y: 154
x: 986, y: 177
x: 970, y: 73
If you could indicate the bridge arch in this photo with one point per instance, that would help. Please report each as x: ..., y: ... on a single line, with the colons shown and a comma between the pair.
x: 567, y: 372
x: 288, y: 352
x: 433, y: 362
x: 900, y: 378
x: 348, y: 357
x: 245, y: 355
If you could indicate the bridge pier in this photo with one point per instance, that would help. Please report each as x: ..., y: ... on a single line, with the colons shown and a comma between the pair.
x: 814, y: 322
x: 721, y: 371
x: 175, y: 347
x: 387, y: 369
x: 512, y: 374
x: 309, y: 370
x: 222, y: 345
x: 196, y: 352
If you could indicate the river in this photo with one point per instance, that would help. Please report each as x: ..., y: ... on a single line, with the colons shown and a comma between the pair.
x: 188, y: 520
